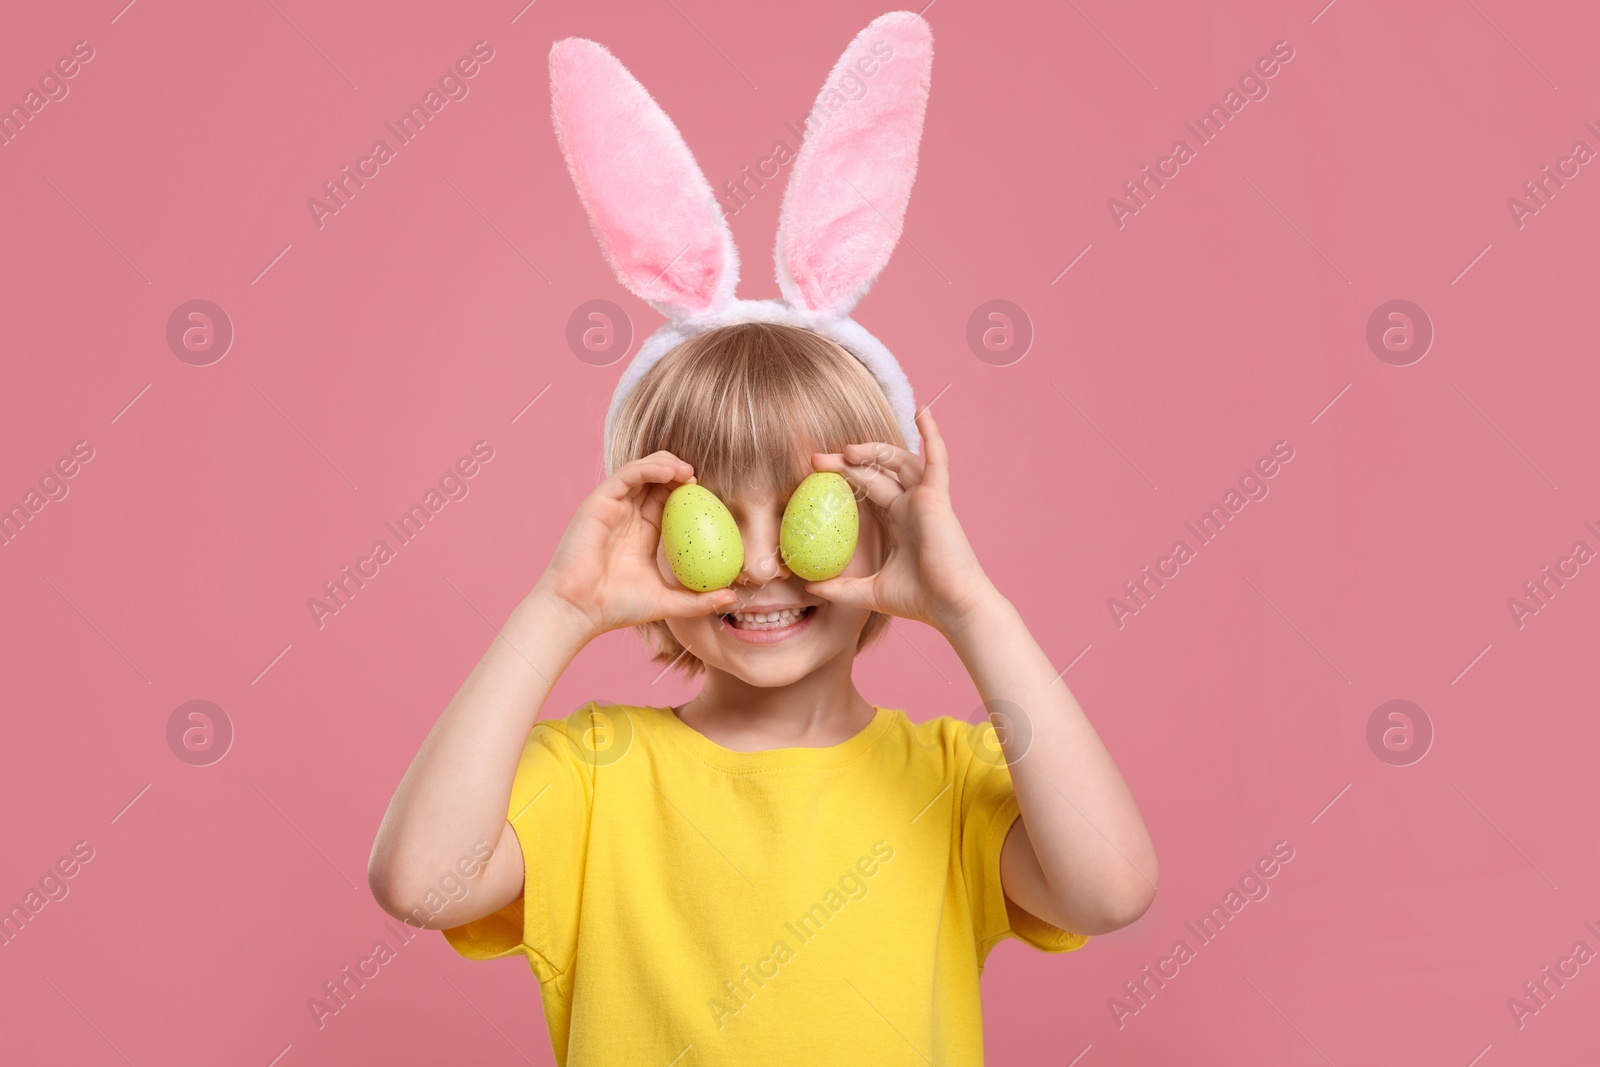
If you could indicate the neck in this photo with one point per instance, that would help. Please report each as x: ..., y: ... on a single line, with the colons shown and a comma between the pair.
x: 824, y: 707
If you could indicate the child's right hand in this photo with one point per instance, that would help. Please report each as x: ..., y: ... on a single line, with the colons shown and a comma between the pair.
x: 605, y: 566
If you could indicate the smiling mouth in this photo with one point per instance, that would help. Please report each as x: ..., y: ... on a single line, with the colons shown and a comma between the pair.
x: 767, y: 621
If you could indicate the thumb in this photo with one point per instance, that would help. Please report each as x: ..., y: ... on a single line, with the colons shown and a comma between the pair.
x: 683, y: 604
x: 846, y: 592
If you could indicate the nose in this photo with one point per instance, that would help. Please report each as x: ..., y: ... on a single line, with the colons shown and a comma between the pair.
x: 763, y: 563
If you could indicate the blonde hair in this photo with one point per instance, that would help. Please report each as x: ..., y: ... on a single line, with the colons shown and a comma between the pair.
x: 746, y: 405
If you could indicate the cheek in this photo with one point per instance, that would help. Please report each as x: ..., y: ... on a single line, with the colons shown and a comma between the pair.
x: 664, y: 567
x: 869, y: 548
x: 689, y: 632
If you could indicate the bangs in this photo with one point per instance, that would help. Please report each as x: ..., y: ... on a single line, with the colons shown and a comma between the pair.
x: 746, y: 405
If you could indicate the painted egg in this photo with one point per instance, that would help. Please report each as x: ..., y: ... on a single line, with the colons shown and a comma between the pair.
x: 820, y: 525
x: 701, y: 539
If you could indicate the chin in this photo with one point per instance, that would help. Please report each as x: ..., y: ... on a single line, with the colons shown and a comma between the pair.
x: 766, y: 675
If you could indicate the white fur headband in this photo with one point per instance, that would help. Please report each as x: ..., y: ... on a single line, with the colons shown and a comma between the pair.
x: 665, y: 236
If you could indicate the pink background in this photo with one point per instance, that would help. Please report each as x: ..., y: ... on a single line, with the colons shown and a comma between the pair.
x: 1224, y: 316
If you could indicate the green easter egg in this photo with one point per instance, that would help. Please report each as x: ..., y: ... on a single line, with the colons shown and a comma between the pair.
x: 820, y: 525
x: 702, y: 540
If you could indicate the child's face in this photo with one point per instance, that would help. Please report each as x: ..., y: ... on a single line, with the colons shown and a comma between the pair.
x: 777, y: 653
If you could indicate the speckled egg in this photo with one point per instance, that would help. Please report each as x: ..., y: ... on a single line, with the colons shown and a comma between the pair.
x: 820, y: 526
x: 701, y: 539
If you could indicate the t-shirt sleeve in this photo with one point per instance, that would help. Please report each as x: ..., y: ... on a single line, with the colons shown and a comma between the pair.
x: 988, y: 808
x: 549, y: 811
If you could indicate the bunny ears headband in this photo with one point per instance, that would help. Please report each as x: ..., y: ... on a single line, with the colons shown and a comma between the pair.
x: 665, y: 236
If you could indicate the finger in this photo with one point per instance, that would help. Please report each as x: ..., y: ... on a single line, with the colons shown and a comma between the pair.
x: 682, y: 604
x: 846, y: 592
x: 654, y: 504
x: 936, y: 472
x: 662, y: 467
x: 879, y: 485
x: 897, y: 461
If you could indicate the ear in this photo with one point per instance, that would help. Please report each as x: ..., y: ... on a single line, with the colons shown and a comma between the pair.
x: 848, y: 190
x: 649, y: 204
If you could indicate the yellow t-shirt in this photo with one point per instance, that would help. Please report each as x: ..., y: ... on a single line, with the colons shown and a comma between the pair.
x: 688, y: 904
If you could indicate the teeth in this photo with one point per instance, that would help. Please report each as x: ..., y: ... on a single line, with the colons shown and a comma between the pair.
x: 767, y: 620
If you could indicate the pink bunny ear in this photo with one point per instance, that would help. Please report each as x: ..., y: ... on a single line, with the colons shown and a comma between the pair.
x: 848, y: 191
x: 650, y: 205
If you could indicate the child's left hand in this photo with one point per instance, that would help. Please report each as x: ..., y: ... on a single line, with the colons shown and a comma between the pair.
x: 929, y: 573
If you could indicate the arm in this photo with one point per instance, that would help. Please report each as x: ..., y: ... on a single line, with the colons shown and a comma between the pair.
x: 603, y: 576
x: 457, y: 789
x: 1079, y: 857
